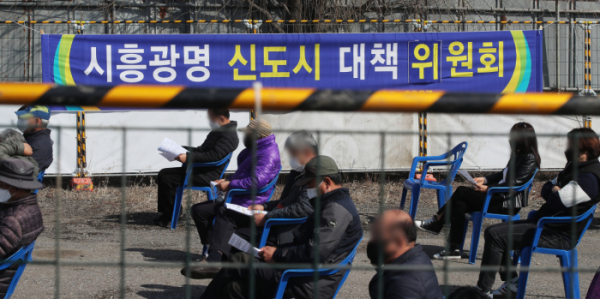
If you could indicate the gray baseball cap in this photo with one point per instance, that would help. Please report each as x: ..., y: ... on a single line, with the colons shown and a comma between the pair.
x: 325, y: 165
x: 19, y: 174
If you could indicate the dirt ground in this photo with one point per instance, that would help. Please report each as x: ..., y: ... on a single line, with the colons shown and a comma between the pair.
x: 90, y: 232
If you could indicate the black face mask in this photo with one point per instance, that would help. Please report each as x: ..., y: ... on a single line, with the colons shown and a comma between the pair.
x: 373, y: 251
x: 569, y: 154
x: 248, y: 142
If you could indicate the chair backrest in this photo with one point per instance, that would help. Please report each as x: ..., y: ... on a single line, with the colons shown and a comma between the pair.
x: 40, y: 178
x: 348, y: 260
x: 225, y: 161
x: 272, y: 184
x: 587, y: 216
x: 456, y: 157
x: 22, y: 255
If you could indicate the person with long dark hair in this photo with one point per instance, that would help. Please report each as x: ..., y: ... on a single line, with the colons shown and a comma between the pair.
x: 524, y: 158
x: 573, y: 192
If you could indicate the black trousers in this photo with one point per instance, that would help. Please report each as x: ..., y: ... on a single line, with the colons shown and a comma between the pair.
x: 233, y: 283
x: 496, y: 249
x: 203, y: 215
x: 168, y: 180
x: 466, y: 200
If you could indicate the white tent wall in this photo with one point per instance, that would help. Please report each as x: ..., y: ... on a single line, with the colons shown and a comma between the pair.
x: 353, y: 152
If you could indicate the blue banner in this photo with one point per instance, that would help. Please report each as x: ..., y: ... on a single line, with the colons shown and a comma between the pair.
x: 501, y: 61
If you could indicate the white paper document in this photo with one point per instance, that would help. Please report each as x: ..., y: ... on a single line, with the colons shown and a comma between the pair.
x: 243, y: 245
x: 467, y: 176
x: 213, y: 184
x: 243, y: 210
x: 170, y: 149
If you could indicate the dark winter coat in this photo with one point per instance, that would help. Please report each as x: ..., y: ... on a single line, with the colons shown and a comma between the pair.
x: 41, y: 144
x: 525, y: 165
x: 218, y: 144
x: 398, y: 284
x: 20, y: 224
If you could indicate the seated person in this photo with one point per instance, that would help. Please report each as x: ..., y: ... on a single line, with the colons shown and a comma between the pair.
x: 564, y: 197
x: 339, y: 232
x: 33, y: 122
x: 267, y: 165
x: 526, y: 159
x: 221, y: 141
x: 293, y: 203
x: 20, y: 216
x: 394, y: 234
x: 13, y: 145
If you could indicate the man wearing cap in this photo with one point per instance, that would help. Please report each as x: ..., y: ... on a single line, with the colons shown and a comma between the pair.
x: 33, y: 122
x: 20, y: 216
x: 267, y: 165
x: 339, y: 232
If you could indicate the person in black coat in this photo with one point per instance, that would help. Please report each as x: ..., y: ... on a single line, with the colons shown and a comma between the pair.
x: 524, y: 160
x: 221, y: 141
x: 33, y: 122
x: 393, y: 237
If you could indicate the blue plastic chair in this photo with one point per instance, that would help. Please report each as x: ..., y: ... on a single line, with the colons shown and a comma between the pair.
x: 287, y: 274
x: 568, y: 258
x: 233, y: 192
x: 444, y: 188
x: 477, y: 217
x: 22, y: 255
x: 210, y: 192
x: 277, y: 221
x: 40, y: 178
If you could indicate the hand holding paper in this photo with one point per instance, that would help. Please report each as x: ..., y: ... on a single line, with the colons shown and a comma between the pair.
x: 243, y: 245
x: 467, y: 176
x: 170, y: 149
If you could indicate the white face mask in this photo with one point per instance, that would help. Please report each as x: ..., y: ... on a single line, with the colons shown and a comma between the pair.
x: 312, y: 192
x: 213, y: 125
x: 295, y: 165
x: 22, y: 124
x: 4, y: 195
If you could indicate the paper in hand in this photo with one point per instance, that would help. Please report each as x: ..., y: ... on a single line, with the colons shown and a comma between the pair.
x: 213, y: 184
x: 243, y: 245
x: 467, y: 176
x: 243, y: 210
x: 170, y: 149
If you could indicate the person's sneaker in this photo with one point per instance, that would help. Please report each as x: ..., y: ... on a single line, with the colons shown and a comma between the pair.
x: 201, y: 272
x: 431, y: 225
x: 452, y: 255
x: 507, y: 287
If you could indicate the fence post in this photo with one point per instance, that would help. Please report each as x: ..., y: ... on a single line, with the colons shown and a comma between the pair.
x: 587, y: 90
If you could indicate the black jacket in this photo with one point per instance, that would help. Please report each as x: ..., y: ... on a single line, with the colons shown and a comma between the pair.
x: 525, y: 165
x: 340, y: 230
x: 20, y: 224
x: 217, y: 145
x: 293, y: 203
x: 408, y: 284
x: 41, y: 144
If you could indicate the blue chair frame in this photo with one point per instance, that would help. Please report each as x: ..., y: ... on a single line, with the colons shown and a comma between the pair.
x: 568, y: 258
x: 210, y: 192
x: 233, y: 192
x: 477, y: 217
x: 287, y: 274
x: 277, y: 221
x: 22, y: 255
x: 40, y: 178
x: 444, y: 188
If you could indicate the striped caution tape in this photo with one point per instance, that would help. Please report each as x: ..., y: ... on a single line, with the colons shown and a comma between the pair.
x: 290, y: 99
x: 338, y: 21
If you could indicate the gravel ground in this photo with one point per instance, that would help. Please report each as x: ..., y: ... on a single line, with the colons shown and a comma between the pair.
x: 90, y: 233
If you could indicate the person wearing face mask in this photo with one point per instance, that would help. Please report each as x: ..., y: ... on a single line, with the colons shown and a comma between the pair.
x: 220, y: 142
x: 564, y: 196
x: 293, y: 203
x: 523, y: 162
x: 339, y: 232
x: 33, y: 122
x: 20, y: 216
x: 393, y: 237
x: 261, y: 155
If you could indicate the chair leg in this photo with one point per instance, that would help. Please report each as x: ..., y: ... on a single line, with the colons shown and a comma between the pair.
x: 566, y: 276
x: 575, y: 276
x: 441, y: 194
x: 177, y: 207
x: 462, y: 245
x: 414, y: 201
x: 477, y: 223
x: 403, y: 198
x: 524, y: 275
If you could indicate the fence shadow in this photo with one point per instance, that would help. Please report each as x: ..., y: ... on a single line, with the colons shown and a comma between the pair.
x: 164, y: 255
x: 159, y: 291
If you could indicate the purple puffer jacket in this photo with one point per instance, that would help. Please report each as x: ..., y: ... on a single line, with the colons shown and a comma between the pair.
x: 268, y: 165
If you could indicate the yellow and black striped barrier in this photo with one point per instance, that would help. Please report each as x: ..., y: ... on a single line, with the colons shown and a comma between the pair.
x: 324, y: 21
x: 302, y: 99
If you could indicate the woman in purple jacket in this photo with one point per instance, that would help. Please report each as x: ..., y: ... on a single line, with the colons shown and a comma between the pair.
x: 267, y: 166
